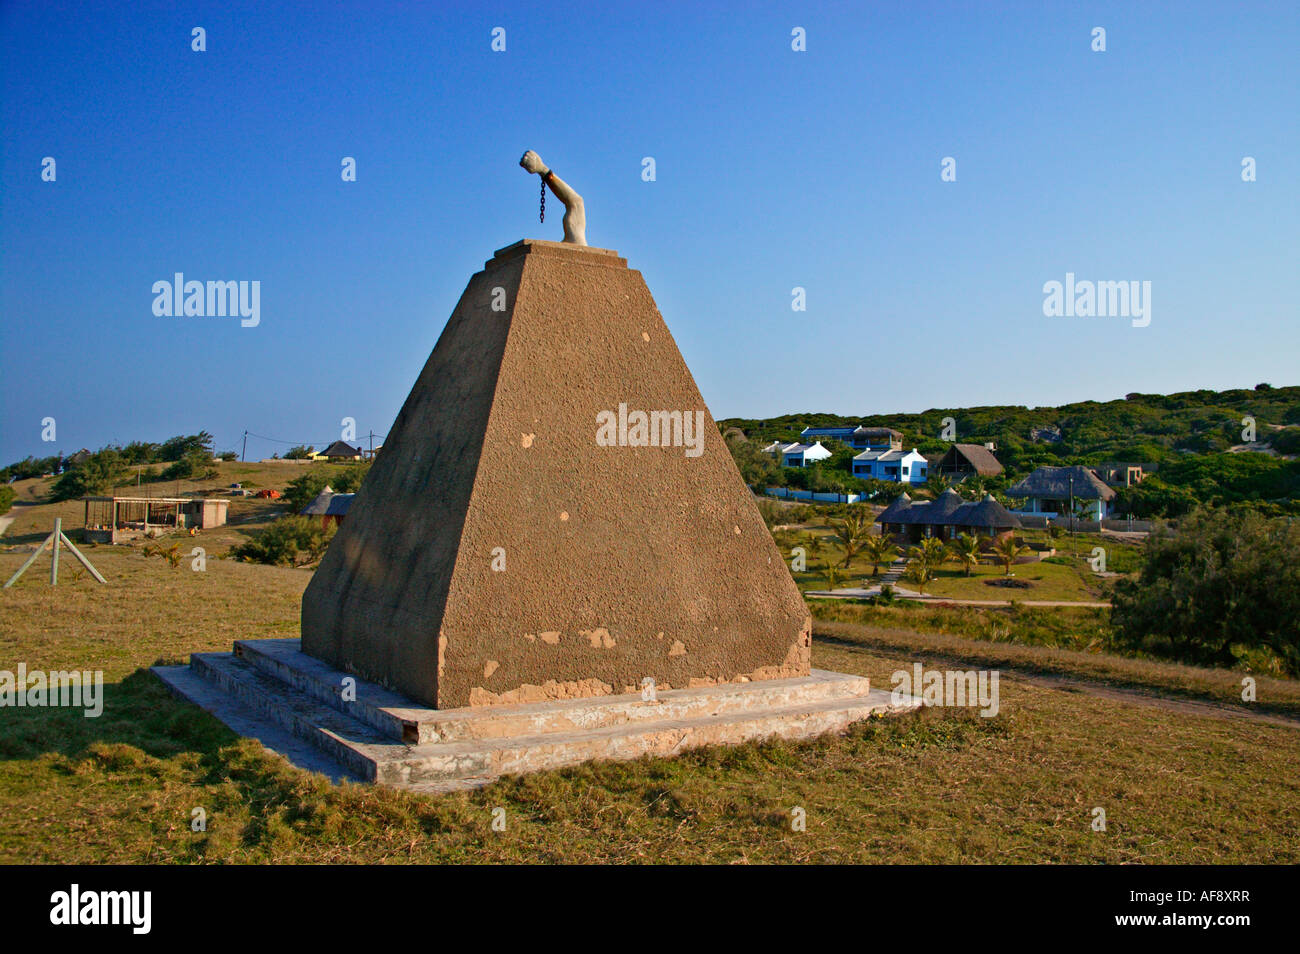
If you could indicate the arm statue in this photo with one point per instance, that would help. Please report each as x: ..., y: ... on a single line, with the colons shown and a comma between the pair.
x: 575, y: 215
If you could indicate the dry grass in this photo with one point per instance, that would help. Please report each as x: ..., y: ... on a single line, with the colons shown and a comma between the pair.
x: 941, y: 786
x: 882, y: 629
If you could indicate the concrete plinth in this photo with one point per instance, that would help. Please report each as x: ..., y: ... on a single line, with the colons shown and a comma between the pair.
x: 554, y: 514
x: 295, y: 705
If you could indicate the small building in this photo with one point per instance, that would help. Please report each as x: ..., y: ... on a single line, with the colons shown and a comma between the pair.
x: 906, y: 467
x: 1049, y: 491
x: 963, y: 460
x: 947, y: 517
x: 1121, y: 473
x: 339, y: 450
x: 331, y: 507
x: 75, y: 460
x: 779, y: 447
x: 117, y: 519
x: 801, y: 455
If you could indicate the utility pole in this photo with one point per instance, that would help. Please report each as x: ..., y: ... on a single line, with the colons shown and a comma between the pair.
x: 243, y: 455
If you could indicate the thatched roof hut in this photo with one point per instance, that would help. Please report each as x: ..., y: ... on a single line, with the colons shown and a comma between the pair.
x: 1053, y: 483
x: 986, y: 514
x: 320, y: 504
x: 902, y: 503
x: 970, y: 459
x: 937, y: 511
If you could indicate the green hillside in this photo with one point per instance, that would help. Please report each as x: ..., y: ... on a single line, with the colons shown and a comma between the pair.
x: 1188, y: 436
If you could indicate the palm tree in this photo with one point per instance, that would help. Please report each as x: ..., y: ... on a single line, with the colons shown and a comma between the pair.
x: 878, y: 550
x: 937, y: 483
x: 920, y: 573
x: 925, y: 559
x: 932, y: 551
x: 851, y: 531
x: 1008, y: 551
x: 833, y: 577
x: 966, y: 551
x: 814, y: 544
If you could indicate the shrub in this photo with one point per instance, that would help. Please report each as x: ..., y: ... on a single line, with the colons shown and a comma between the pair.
x: 1227, y: 583
x: 300, y: 452
x: 289, y: 541
x: 303, y: 489
x: 7, y: 495
x: 192, y: 465
x: 349, y: 481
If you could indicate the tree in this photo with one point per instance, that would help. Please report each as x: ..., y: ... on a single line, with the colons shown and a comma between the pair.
x: 814, y: 544
x: 851, y: 531
x: 175, y: 448
x: 301, y: 452
x: 937, y: 483
x: 1225, y: 585
x: 97, y: 474
x: 833, y: 576
x: 1008, y: 551
x: 194, y: 464
x: 349, y: 481
x: 878, y: 550
x: 925, y: 560
x: 966, y: 551
x: 303, y: 489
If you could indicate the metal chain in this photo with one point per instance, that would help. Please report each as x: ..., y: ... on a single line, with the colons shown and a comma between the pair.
x: 541, y: 213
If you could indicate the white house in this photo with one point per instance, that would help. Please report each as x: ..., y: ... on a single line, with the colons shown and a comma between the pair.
x: 909, y: 467
x: 801, y: 455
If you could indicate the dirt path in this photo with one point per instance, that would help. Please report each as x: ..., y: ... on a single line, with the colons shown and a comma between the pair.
x: 1142, y: 697
x: 13, y: 514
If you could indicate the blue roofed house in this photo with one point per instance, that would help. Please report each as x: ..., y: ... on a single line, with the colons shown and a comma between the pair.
x: 859, y: 438
x: 894, y: 464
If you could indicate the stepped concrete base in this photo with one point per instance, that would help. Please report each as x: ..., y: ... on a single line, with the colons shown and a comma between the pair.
x: 294, y: 704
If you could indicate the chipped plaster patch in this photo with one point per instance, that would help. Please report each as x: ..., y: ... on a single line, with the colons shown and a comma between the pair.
x: 551, y: 638
x: 578, y: 689
x: 645, y: 336
x: 564, y: 515
x: 600, y: 638
x: 490, y: 667
x: 679, y: 648
x: 526, y: 440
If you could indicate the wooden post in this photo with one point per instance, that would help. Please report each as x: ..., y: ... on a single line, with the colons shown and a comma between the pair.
x: 54, y: 562
x: 30, y: 560
x: 84, y: 562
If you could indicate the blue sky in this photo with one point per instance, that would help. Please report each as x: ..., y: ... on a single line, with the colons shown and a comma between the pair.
x: 775, y: 169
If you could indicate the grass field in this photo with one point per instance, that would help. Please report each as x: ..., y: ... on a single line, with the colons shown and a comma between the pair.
x: 1071, y: 579
x: 940, y: 786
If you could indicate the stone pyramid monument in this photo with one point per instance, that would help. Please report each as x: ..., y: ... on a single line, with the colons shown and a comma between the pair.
x: 553, y: 559
x: 554, y: 513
